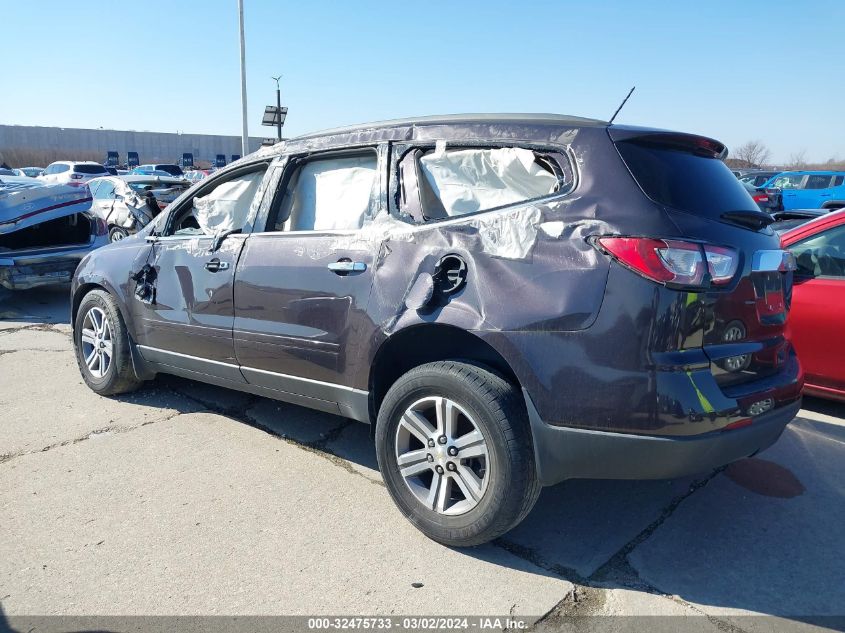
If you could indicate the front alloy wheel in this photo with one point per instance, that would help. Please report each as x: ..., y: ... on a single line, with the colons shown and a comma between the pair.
x: 97, y: 345
x: 101, y: 345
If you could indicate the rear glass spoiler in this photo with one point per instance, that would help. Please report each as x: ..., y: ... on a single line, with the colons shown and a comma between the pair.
x: 752, y: 219
x: 673, y: 140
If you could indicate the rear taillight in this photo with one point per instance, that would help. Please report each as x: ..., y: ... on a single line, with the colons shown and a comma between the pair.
x: 77, y: 176
x: 760, y: 197
x: 674, y: 262
x: 722, y: 263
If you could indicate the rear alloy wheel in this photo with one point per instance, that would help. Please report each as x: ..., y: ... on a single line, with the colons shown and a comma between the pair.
x: 117, y: 233
x: 455, y: 450
x: 443, y: 464
x: 101, y: 344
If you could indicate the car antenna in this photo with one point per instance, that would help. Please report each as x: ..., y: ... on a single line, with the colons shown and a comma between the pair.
x: 621, y: 105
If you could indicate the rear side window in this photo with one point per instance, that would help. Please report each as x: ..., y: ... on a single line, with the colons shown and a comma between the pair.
x: 681, y: 178
x: 104, y: 189
x: 838, y: 180
x: 445, y: 183
x: 815, y: 181
x: 332, y: 193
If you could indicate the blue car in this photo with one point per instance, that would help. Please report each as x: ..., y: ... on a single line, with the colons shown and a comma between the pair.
x: 810, y: 189
x: 158, y: 169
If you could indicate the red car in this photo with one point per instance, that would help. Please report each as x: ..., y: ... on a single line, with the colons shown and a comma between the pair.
x: 817, y: 316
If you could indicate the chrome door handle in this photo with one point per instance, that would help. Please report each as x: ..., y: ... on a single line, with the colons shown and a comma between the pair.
x: 216, y: 265
x: 345, y: 266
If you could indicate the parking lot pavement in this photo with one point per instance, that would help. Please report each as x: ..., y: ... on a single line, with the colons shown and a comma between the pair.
x: 187, y: 499
x: 764, y: 537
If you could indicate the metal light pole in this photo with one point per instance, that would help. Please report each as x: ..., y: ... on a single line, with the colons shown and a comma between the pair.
x: 279, y: 106
x: 245, y: 135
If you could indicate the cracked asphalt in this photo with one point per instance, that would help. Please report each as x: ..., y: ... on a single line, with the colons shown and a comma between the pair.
x: 187, y: 499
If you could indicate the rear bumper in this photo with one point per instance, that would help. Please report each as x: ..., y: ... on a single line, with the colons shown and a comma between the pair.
x: 570, y: 453
x: 16, y: 275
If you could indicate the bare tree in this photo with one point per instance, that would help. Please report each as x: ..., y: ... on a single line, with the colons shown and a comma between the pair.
x: 754, y: 153
x: 798, y: 160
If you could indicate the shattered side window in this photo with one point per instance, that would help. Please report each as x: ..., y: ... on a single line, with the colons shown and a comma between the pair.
x: 461, y: 181
x: 224, y: 208
x: 333, y: 193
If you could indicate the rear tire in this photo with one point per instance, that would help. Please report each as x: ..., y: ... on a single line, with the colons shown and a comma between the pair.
x: 117, y: 233
x: 101, y: 346
x: 471, y: 424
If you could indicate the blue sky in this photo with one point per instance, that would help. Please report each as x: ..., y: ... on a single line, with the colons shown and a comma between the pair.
x: 736, y: 70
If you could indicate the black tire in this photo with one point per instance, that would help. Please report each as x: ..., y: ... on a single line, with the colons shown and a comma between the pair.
x: 120, y: 376
x: 498, y: 410
x: 117, y: 233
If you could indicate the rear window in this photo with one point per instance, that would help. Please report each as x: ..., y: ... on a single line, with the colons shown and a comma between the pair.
x: 682, y: 179
x: 785, y: 225
x: 90, y: 169
x: 173, y: 170
x: 446, y: 183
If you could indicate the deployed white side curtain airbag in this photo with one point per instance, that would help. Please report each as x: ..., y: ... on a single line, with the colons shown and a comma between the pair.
x: 469, y: 180
x: 333, y: 194
x: 226, y: 208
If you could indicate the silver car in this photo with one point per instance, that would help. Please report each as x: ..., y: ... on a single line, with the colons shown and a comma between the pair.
x: 45, y: 230
x: 129, y: 203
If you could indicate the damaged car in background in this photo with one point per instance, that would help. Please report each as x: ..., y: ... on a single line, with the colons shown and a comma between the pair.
x: 45, y: 230
x: 508, y: 300
x: 129, y: 203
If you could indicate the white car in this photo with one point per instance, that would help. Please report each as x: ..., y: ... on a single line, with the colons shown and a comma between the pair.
x: 129, y: 203
x: 31, y: 172
x: 73, y: 172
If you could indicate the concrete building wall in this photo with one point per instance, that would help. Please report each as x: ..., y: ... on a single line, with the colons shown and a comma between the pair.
x: 75, y: 143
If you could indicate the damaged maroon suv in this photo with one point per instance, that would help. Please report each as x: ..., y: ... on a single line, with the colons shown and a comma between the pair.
x: 509, y: 300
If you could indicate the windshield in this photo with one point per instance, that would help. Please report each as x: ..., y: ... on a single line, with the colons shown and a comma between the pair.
x: 682, y: 179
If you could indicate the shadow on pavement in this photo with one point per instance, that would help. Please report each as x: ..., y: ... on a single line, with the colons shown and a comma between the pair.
x: 825, y: 407
x: 50, y: 304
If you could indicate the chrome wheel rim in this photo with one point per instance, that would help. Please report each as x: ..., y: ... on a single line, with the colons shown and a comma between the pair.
x: 116, y: 236
x: 97, y: 345
x: 442, y: 456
